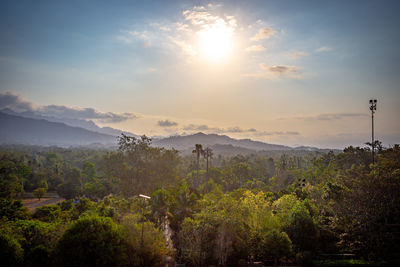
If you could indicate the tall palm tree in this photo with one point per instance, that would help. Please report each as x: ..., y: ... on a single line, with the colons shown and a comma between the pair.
x: 198, y: 151
x: 208, y: 156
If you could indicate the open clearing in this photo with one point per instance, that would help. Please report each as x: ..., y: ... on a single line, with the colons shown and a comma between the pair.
x: 33, y: 203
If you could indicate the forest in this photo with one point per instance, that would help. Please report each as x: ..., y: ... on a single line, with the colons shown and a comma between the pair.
x: 303, y: 208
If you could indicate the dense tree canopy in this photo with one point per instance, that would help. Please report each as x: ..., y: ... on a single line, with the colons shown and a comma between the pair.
x: 278, y: 207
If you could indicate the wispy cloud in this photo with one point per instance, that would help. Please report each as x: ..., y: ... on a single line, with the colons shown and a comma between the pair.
x: 236, y: 130
x: 129, y: 37
x: 185, y: 46
x: 167, y: 123
x: 278, y: 71
x: 333, y: 116
x: 324, y: 49
x: 263, y: 33
x: 298, y: 54
x: 255, y: 48
x: 17, y: 103
x: 206, y: 128
x: 266, y: 133
x: 327, y: 116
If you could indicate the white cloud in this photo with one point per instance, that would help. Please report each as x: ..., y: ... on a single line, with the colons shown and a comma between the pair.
x: 332, y: 116
x: 298, y: 54
x: 255, y: 48
x: 186, y: 47
x: 324, y: 49
x: 263, y: 33
x: 129, y: 37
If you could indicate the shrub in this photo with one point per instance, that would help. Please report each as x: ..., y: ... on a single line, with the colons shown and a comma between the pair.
x: 11, y: 253
x: 47, y: 213
x: 92, y: 241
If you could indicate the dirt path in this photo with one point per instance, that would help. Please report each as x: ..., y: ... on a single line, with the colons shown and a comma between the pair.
x: 33, y: 203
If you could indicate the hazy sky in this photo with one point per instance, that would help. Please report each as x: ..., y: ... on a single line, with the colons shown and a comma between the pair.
x: 287, y: 72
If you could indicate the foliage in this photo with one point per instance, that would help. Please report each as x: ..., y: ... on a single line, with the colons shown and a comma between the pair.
x: 301, y: 228
x: 13, y: 209
x: 38, y: 240
x: 92, y: 241
x: 40, y: 192
x: 49, y: 213
x: 145, y: 243
x: 11, y: 253
x: 283, y: 206
x: 276, y: 245
x: 138, y: 167
x: 72, y: 187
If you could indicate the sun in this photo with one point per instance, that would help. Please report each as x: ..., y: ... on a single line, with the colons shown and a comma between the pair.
x: 215, y: 41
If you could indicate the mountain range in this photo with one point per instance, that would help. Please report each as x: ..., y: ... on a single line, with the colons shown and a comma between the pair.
x: 186, y: 142
x: 33, y: 129
x: 85, y: 124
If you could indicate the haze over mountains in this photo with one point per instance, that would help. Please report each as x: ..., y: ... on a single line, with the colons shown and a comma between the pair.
x: 85, y: 124
x: 32, y: 129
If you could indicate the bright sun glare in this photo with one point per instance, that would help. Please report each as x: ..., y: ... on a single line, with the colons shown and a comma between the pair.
x: 215, y: 41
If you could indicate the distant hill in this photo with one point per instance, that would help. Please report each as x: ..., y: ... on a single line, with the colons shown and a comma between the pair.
x: 188, y: 141
x: 85, y: 124
x: 21, y: 130
x: 30, y: 131
x: 225, y: 145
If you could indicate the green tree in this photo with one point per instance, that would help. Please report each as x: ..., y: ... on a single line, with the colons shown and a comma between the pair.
x: 88, y: 172
x: 242, y: 172
x: 148, y: 251
x: 72, y: 185
x: 92, y: 241
x: 11, y: 253
x: 11, y: 209
x: 368, y: 207
x: 277, y: 245
x: 139, y: 168
x: 41, y: 190
x: 301, y: 228
x: 37, y: 240
x: 10, y: 182
x: 198, y: 150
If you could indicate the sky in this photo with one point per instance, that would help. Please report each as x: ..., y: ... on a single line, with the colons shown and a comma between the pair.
x: 283, y: 72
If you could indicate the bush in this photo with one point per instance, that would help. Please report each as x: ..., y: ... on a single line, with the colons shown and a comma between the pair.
x: 304, y: 258
x: 11, y: 253
x: 38, y: 240
x: 66, y: 205
x: 147, y: 252
x: 92, y: 241
x: 276, y: 245
x: 47, y: 213
x: 13, y: 209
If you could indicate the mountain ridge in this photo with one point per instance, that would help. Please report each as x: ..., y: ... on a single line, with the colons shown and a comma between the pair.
x: 22, y: 130
x: 85, y: 124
